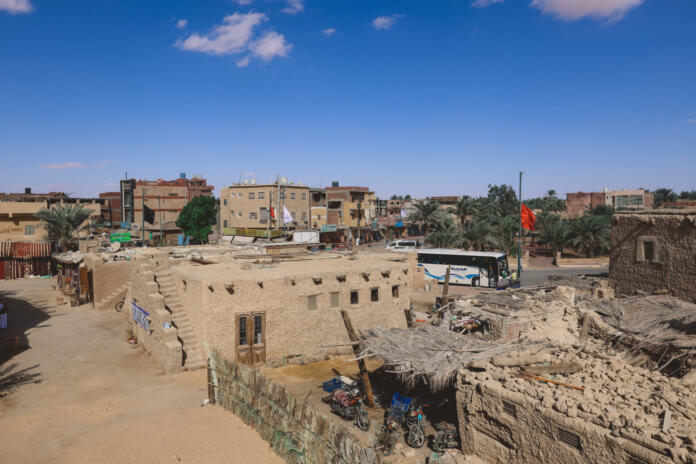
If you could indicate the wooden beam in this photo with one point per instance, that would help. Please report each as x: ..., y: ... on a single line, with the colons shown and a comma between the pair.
x: 361, y: 362
x: 409, y: 317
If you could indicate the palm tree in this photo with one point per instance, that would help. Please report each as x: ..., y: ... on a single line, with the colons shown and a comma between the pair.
x: 465, y: 209
x: 425, y: 211
x: 480, y: 235
x: 446, y: 234
x: 62, y: 221
x: 555, y: 236
x: 590, y: 234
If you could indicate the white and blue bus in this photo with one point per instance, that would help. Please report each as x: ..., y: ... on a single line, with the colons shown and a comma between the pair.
x: 475, y: 268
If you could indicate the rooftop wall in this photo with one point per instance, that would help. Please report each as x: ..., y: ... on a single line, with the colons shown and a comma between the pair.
x: 671, y: 267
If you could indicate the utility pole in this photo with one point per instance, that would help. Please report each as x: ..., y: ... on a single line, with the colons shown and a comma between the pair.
x: 270, y: 208
x: 159, y: 203
x: 519, y: 241
x: 142, y: 231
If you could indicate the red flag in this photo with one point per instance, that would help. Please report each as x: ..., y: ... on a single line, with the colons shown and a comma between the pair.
x: 528, y: 218
x: 272, y: 212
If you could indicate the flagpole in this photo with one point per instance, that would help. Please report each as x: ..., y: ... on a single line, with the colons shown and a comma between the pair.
x: 519, y: 240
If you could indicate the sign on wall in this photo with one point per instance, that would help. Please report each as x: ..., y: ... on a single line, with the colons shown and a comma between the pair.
x: 120, y: 237
x: 141, y: 317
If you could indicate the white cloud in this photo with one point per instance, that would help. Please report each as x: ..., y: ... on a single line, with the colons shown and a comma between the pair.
x: 230, y: 38
x: 385, y: 22
x: 270, y: 46
x: 571, y: 10
x: 243, y: 63
x: 16, y: 6
x: 73, y: 165
x: 294, y: 7
x: 328, y: 32
x: 181, y: 23
x: 484, y: 3
x: 243, y: 2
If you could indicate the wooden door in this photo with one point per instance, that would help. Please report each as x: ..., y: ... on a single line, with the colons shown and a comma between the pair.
x: 243, y: 338
x: 258, y: 324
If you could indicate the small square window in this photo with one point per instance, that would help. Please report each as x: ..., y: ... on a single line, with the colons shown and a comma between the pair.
x: 239, y: 214
x: 395, y: 291
x: 29, y: 230
x: 354, y: 297
x: 312, y: 302
x: 250, y: 196
x: 261, y: 195
x: 304, y: 196
x: 240, y: 195
x: 224, y: 223
x: 335, y: 299
x: 292, y: 195
x: 374, y: 294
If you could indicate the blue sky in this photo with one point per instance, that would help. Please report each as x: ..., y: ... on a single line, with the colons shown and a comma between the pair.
x: 409, y: 96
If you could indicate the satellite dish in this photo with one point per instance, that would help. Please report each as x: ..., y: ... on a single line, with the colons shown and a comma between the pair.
x: 115, y: 247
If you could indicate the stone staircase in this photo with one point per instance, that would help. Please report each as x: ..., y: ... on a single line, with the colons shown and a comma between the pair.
x: 109, y: 301
x: 193, y: 354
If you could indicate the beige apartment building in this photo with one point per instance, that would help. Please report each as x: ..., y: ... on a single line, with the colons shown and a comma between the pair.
x: 17, y: 221
x: 244, y: 208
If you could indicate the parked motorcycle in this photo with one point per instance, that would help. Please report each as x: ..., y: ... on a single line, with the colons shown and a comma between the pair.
x: 446, y: 437
x: 348, y: 405
x: 415, y: 419
x: 387, y: 438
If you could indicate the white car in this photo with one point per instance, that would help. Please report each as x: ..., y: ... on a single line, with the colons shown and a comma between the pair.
x: 403, y: 245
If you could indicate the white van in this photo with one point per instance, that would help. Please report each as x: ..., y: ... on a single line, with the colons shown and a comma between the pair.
x: 403, y: 245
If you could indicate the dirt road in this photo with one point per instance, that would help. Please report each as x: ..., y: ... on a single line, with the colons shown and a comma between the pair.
x: 99, y: 399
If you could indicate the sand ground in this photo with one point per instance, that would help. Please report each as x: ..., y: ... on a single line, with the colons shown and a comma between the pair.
x: 81, y: 394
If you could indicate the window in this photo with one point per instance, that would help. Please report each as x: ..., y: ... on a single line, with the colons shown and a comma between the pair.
x: 395, y: 291
x: 224, y: 223
x: 240, y: 195
x: 335, y: 299
x: 312, y: 302
x: 292, y: 195
x: 243, y: 331
x: 304, y: 215
x: 304, y: 196
x: 239, y: 214
x: 258, y: 329
x: 374, y: 294
x: 172, y: 194
x: 253, y: 215
x: 251, y: 195
x: 262, y: 195
x: 294, y: 215
x: 29, y: 230
x: 232, y: 213
x: 649, y: 251
x: 224, y: 202
x: 354, y: 297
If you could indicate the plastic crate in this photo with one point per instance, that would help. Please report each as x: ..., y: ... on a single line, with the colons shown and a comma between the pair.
x: 332, y: 385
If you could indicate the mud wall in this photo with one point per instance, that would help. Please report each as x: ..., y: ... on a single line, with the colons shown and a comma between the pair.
x: 673, y: 268
x: 107, y: 277
x: 161, y: 343
x: 293, y: 324
x: 502, y: 426
x: 296, y: 432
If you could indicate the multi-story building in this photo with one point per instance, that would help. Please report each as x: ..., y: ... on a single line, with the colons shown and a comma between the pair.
x: 345, y: 205
x: 254, y: 209
x: 165, y: 197
x: 17, y: 221
x: 637, y: 199
x: 111, y: 209
x: 317, y: 208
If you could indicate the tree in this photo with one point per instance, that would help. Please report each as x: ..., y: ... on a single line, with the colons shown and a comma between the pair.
x: 480, y: 236
x: 465, y: 209
x: 62, y: 221
x: 446, y: 234
x: 504, y: 231
x: 197, y: 217
x: 407, y: 197
x: 663, y: 195
x: 505, y: 197
x: 425, y: 211
x: 590, y: 234
x: 555, y: 236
